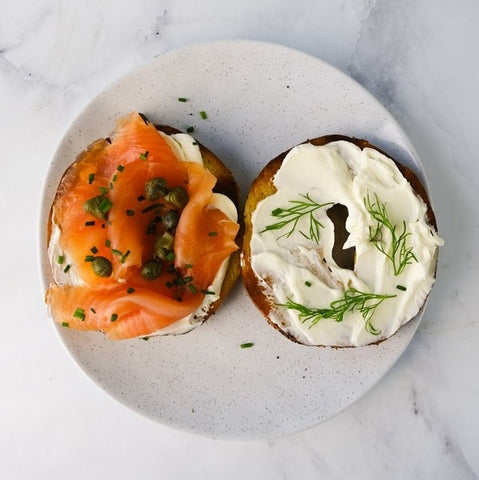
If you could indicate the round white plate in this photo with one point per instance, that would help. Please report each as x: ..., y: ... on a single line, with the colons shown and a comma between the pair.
x: 261, y: 99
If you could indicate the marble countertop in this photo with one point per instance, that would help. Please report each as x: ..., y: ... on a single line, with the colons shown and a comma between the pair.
x: 422, y: 419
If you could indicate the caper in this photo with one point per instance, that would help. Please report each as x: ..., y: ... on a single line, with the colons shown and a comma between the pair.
x: 164, y: 246
x: 177, y: 196
x: 155, y: 188
x: 151, y: 269
x: 170, y: 220
x: 101, y: 266
x: 98, y: 206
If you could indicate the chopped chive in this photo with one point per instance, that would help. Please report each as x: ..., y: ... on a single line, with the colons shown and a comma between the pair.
x: 192, y: 289
x: 169, y: 284
x: 141, y: 198
x: 93, y: 310
x: 115, y: 178
x: 89, y: 258
x: 195, y: 143
x: 91, y: 177
x: 130, y: 213
x: 182, y: 99
x: 188, y: 266
x: 113, y: 317
x: 108, y: 243
x: 208, y: 292
x: 203, y: 115
x: 94, y: 250
x: 308, y: 284
x: 79, y: 313
x: 90, y: 223
x: 65, y: 324
x: 145, y: 338
x: 143, y: 156
x: 247, y: 345
x: 188, y: 279
x: 170, y: 256
x: 60, y: 259
x: 212, y: 234
x: 111, y: 185
x: 401, y: 287
x: 190, y: 129
x: 120, y: 168
x: 153, y: 206
x: 103, y: 190
x: 105, y: 205
x: 130, y: 290
x: 67, y: 268
x: 116, y: 252
x: 123, y: 257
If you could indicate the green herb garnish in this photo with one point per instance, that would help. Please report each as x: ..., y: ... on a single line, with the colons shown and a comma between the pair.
x: 352, y: 300
x: 90, y: 223
x: 203, y: 115
x: 98, y: 206
x: 182, y: 99
x: 65, y: 324
x: 91, y: 177
x: 60, y: 259
x: 212, y: 234
x: 120, y: 168
x: 130, y: 290
x: 290, y: 217
x: 94, y: 250
x: 143, y: 156
x: 247, y: 345
x: 398, y: 252
x: 190, y: 129
x: 308, y: 284
x: 130, y: 213
x: 79, y: 313
x: 401, y: 287
x: 113, y: 317
x: 65, y: 270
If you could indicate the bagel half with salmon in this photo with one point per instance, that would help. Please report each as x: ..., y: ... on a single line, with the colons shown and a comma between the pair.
x: 340, y: 245
x: 143, y: 234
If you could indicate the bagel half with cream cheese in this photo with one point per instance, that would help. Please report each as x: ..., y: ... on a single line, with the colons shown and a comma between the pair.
x: 340, y: 245
x: 143, y: 234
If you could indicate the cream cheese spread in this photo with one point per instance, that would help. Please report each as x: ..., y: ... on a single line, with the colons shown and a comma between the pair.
x: 315, y: 300
x: 185, y: 149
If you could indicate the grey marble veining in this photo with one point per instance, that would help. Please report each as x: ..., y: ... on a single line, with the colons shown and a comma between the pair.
x: 419, y: 59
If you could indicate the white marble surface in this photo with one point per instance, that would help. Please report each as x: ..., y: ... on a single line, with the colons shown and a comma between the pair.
x: 419, y: 59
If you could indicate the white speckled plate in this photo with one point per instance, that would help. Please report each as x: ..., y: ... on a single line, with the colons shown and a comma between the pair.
x: 261, y: 99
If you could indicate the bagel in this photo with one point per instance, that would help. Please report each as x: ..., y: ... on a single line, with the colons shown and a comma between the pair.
x: 340, y: 246
x: 143, y: 234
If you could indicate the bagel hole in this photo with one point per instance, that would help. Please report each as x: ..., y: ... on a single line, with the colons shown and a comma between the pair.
x: 344, y: 258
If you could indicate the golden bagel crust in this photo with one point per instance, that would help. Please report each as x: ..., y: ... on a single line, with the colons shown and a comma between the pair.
x: 263, y: 187
x: 225, y: 184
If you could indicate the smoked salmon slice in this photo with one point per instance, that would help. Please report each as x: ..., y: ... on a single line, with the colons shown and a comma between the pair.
x: 110, y: 226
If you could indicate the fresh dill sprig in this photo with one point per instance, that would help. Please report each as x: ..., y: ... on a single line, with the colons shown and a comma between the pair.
x: 304, y: 208
x: 399, y: 253
x: 352, y: 300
